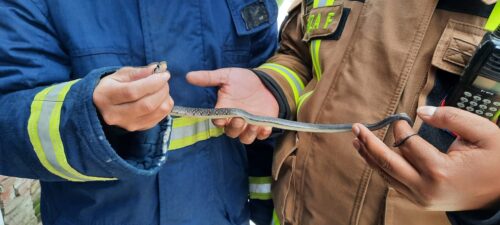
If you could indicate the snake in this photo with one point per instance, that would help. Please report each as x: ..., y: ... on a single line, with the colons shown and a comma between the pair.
x: 224, y: 113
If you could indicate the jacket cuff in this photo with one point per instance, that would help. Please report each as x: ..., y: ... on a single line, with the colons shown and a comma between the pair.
x: 274, y: 88
x: 478, y: 217
x: 118, y: 159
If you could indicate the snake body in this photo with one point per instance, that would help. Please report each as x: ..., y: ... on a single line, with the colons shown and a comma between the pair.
x: 222, y: 113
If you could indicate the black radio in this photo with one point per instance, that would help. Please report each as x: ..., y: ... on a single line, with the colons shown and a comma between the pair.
x: 479, y: 88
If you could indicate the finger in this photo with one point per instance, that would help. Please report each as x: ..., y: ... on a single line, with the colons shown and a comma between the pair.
x: 264, y: 133
x: 398, y: 186
x: 235, y: 127
x: 128, y: 74
x: 132, y: 91
x: 148, y: 121
x: 469, y: 126
x: 221, y: 123
x: 388, y: 179
x: 417, y: 151
x: 205, y: 78
x: 144, y: 106
x: 249, y: 134
x: 388, y: 160
x: 369, y: 160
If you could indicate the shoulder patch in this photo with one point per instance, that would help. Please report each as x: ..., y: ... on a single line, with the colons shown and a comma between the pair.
x: 322, y: 21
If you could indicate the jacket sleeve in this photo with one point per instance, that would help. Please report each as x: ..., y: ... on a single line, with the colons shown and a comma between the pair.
x: 287, y: 72
x: 50, y: 128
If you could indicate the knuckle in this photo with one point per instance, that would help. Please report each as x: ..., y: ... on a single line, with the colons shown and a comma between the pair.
x: 129, y: 93
x: 110, y: 119
x: 147, y: 107
x: 438, y: 176
x: 130, y: 127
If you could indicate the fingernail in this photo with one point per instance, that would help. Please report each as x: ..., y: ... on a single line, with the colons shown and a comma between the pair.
x: 356, y: 144
x: 426, y: 110
x: 356, y: 130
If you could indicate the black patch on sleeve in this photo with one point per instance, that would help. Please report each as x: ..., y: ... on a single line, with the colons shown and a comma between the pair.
x: 274, y: 88
x: 255, y: 14
x: 473, y: 7
x: 343, y: 20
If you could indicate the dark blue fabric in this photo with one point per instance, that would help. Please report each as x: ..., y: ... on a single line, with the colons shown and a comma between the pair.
x: 477, y: 217
x: 51, y: 41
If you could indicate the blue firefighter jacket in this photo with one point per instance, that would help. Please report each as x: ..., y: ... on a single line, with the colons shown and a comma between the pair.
x: 52, y: 55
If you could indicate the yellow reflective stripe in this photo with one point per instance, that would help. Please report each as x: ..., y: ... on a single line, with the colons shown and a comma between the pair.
x: 261, y: 196
x: 330, y: 2
x: 260, y: 180
x: 276, y: 220
x: 186, y: 121
x: 321, y: 3
x: 315, y: 44
x: 493, y: 19
x: 291, y: 77
x: 302, y: 99
x: 188, y: 131
x: 43, y: 130
x: 55, y: 137
x: 314, y: 48
x: 496, y: 117
x: 36, y: 108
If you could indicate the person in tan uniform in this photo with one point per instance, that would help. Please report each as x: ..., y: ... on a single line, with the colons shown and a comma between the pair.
x: 342, y: 61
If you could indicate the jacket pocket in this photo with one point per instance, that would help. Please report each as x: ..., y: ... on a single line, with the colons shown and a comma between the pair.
x: 456, y: 46
x: 249, y: 18
x: 283, y: 173
x: 399, y: 210
x: 85, y: 60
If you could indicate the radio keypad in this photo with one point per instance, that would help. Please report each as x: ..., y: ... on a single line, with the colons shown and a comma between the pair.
x: 476, y: 104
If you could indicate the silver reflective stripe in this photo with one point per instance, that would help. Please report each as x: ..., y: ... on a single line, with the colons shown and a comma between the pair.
x: 44, y: 127
x: 188, y: 131
x: 44, y: 133
x: 260, y: 188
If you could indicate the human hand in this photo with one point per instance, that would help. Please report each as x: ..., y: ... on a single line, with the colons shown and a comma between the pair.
x: 465, y: 178
x: 239, y: 88
x: 134, y: 98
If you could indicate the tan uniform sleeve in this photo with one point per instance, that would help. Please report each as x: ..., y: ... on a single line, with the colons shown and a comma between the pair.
x: 288, y: 71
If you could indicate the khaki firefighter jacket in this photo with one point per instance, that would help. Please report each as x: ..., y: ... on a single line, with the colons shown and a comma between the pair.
x: 356, y: 61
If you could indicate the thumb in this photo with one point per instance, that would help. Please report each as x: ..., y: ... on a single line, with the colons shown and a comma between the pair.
x: 469, y: 126
x: 208, y: 78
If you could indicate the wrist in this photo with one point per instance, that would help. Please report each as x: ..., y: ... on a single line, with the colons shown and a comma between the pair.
x: 273, y: 87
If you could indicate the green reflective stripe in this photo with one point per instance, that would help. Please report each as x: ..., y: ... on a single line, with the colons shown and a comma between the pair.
x: 315, y: 44
x: 314, y: 48
x: 43, y: 130
x: 291, y: 77
x: 261, y: 196
x: 302, y: 99
x: 188, y: 131
x: 260, y: 180
x: 496, y: 117
x: 276, y: 220
x: 493, y: 19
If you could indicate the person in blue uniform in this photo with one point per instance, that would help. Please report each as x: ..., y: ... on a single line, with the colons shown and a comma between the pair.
x: 97, y: 134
